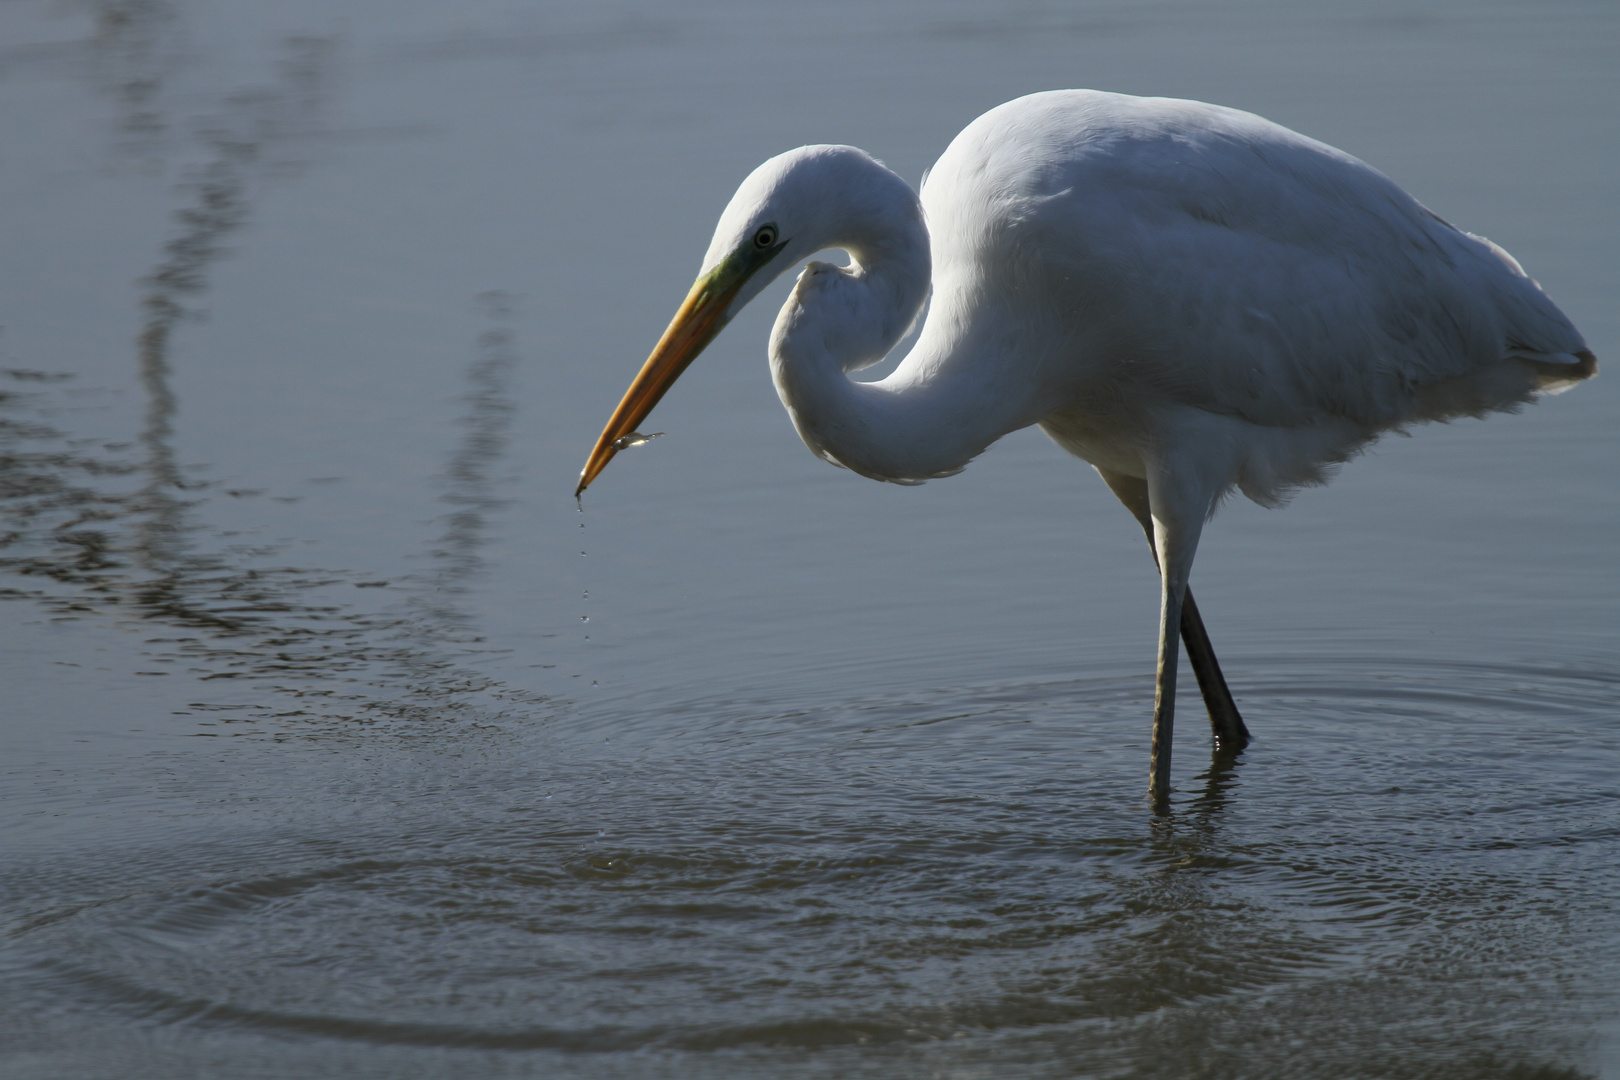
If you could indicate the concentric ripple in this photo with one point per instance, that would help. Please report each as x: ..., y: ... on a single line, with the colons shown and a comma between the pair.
x: 854, y: 888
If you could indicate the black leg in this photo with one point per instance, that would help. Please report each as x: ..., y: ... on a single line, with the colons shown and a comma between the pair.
x: 1231, y: 735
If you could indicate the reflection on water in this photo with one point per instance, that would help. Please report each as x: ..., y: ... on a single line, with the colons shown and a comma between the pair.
x: 241, y: 139
x: 470, y: 485
x: 133, y: 48
x: 82, y: 542
x: 114, y: 525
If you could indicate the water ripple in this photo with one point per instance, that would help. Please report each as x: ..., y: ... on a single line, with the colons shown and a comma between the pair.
x: 929, y: 870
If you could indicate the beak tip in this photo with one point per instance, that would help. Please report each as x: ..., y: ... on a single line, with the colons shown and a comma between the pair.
x: 699, y: 319
x: 593, y: 468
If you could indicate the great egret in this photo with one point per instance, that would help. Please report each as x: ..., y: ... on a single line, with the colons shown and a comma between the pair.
x: 1191, y: 298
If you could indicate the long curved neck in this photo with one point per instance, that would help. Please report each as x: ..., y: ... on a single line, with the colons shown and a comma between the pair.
x: 938, y: 410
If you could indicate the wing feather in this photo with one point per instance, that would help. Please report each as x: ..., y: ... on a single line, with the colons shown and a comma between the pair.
x: 1242, y: 268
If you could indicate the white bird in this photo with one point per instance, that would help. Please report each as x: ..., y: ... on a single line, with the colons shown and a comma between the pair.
x: 1188, y: 297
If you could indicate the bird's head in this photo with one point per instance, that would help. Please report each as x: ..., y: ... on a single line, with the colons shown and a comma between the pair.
x: 792, y: 206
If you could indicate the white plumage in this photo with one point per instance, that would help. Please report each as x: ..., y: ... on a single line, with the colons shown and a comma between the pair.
x: 1191, y: 298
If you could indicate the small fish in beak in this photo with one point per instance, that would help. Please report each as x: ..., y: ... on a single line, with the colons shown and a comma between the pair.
x: 635, y: 438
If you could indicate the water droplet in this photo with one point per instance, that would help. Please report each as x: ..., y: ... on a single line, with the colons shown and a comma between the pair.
x: 635, y: 438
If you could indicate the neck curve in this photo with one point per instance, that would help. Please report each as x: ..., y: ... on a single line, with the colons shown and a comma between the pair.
x: 938, y: 409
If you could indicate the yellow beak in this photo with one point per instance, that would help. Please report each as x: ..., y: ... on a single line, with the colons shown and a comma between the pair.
x: 699, y: 319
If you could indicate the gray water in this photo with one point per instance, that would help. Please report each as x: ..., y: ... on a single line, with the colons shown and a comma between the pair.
x: 335, y: 741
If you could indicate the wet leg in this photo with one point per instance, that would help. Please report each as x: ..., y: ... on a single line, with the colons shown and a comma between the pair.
x: 1164, y: 688
x: 1231, y: 735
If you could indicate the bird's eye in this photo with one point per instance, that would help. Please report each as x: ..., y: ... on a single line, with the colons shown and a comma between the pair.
x: 766, y: 237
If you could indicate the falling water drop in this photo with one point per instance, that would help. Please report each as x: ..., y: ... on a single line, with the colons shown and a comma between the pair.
x: 585, y: 594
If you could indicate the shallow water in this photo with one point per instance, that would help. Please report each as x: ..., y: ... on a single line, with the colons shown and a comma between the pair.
x: 325, y: 753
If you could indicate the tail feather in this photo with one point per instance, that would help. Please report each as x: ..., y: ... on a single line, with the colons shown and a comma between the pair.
x: 1556, y: 372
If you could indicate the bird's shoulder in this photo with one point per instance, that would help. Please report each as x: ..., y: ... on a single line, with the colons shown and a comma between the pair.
x: 1084, y: 169
x: 1227, y: 261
